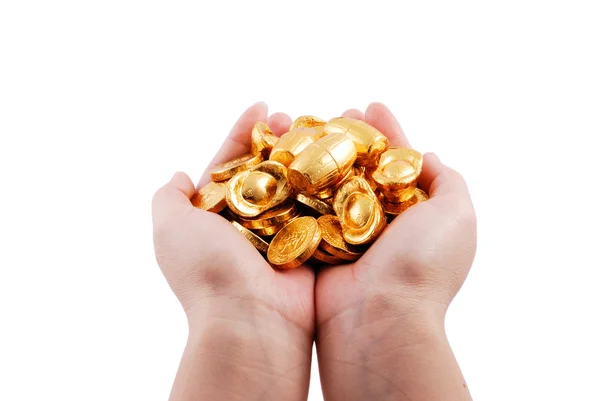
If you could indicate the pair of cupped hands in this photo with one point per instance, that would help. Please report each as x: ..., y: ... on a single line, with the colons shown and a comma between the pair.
x: 378, y: 323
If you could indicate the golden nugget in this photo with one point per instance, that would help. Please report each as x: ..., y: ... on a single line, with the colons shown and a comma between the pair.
x: 315, y: 204
x: 333, y: 239
x: 397, y: 174
x: 359, y: 211
x: 254, y: 191
x: 323, y: 163
x: 225, y: 171
x: 369, y: 142
x: 262, y: 140
x: 210, y: 197
x: 295, y: 243
x: 275, y: 216
x: 254, y: 239
x: 292, y: 143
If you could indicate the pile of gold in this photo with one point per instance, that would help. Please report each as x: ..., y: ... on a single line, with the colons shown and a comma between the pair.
x: 322, y: 191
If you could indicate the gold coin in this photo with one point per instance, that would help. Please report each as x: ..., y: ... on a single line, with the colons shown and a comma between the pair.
x: 396, y: 208
x: 315, y: 204
x: 322, y: 256
x: 210, y: 197
x: 225, y: 171
x: 258, y: 242
x: 280, y: 214
x: 268, y: 231
x: 295, y: 243
x: 333, y: 239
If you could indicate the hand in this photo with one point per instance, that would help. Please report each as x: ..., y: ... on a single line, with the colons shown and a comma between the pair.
x: 251, y: 327
x: 380, y: 321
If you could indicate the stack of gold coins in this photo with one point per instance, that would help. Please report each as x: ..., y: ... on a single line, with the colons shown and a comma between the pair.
x: 322, y: 192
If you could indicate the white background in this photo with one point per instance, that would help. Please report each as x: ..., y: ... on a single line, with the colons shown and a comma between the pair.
x: 100, y: 102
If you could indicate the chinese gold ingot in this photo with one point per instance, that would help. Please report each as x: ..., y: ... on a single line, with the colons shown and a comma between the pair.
x: 254, y: 239
x: 322, y: 164
x: 324, y: 257
x: 397, y: 174
x: 359, y: 211
x: 292, y: 143
x: 315, y: 204
x: 262, y: 140
x: 295, y: 243
x: 210, y: 197
x: 397, y: 208
x: 333, y: 239
x: 309, y: 122
x: 330, y: 191
x: 225, y: 171
x: 254, y: 191
x: 278, y: 215
x: 369, y: 142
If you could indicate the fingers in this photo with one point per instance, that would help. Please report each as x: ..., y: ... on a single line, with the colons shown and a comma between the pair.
x: 382, y: 118
x: 354, y: 113
x: 279, y: 123
x: 238, y: 141
x: 172, y: 199
x: 439, y: 180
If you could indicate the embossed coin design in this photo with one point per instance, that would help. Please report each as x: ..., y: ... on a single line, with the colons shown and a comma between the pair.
x: 225, y: 171
x: 295, y: 243
x: 210, y: 197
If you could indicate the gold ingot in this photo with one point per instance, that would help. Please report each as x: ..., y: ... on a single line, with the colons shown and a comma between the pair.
x: 333, y: 239
x: 315, y: 204
x: 225, y: 171
x: 278, y: 215
x: 295, y: 243
x: 262, y: 139
x: 397, y: 174
x: 324, y: 257
x: 254, y: 191
x: 292, y: 143
x: 359, y: 211
x: 329, y: 192
x: 309, y: 122
x: 395, y: 209
x: 254, y: 239
x: 322, y: 164
x: 369, y: 142
x: 210, y: 197
x: 367, y: 174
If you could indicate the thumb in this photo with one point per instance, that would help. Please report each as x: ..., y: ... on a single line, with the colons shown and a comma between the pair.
x: 172, y: 199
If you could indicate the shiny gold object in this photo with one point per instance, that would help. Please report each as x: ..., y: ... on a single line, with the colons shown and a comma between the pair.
x: 269, y: 231
x: 309, y: 122
x: 225, y: 171
x: 367, y: 174
x: 292, y: 143
x: 322, y: 164
x: 369, y: 142
x: 276, y: 216
x: 210, y: 197
x: 315, y: 204
x: 333, y: 239
x: 295, y: 243
x: 397, y: 208
x: 397, y: 174
x: 254, y: 191
x: 322, y: 256
x: 329, y: 192
x: 359, y: 211
x: 262, y: 139
x: 254, y: 239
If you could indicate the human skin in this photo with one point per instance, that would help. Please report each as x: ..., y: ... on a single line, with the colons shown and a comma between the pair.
x: 251, y: 328
x: 380, y: 320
